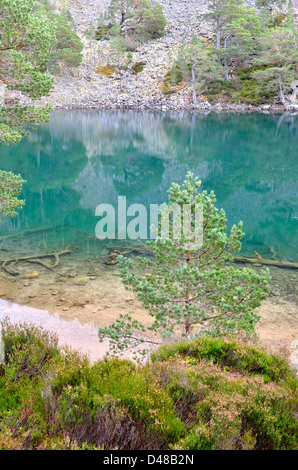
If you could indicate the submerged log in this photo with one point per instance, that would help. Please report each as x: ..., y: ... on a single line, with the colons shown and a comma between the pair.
x: 270, y: 262
x: 30, y: 232
x: 34, y: 259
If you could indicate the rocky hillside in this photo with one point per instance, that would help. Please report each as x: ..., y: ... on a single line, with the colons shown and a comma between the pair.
x: 86, y: 87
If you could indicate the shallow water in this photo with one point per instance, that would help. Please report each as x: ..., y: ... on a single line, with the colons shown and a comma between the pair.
x: 85, y: 158
x: 72, y: 333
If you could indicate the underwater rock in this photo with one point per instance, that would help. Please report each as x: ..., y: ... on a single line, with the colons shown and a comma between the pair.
x: 112, y: 257
x: 31, y: 275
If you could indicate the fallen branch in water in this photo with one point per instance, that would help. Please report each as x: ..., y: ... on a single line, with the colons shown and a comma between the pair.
x: 269, y: 262
x: 39, y: 261
x: 30, y: 232
x: 34, y: 259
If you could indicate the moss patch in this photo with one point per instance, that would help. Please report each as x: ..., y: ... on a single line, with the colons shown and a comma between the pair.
x: 138, y: 67
x: 107, y: 70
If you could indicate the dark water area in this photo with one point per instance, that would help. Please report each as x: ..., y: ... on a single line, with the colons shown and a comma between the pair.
x: 85, y: 158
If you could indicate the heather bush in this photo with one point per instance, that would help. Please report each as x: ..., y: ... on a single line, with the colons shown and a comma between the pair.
x: 225, y: 410
x: 203, y: 394
x: 230, y: 354
x: 241, y: 397
x: 114, y: 394
x: 27, y: 349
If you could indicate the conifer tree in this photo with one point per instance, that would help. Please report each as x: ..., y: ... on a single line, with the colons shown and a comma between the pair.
x: 117, y: 46
x: 221, y: 13
x: 235, y: 26
x: 190, y: 288
x: 25, y: 41
x: 198, y: 65
x: 278, y: 54
x: 66, y: 49
x: 137, y: 19
x: 10, y: 189
x: 239, y: 38
x: 24, y: 49
x: 269, y: 6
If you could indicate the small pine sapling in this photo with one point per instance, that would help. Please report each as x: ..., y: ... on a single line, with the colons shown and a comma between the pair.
x: 189, y: 288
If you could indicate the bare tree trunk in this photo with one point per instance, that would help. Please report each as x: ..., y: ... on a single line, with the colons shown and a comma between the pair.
x: 217, y: 34
x: 2, y: 93
x: 193, y: 78
x: 227, y: 78
x: 281, y: 95
x: 271, y: 14
x: 218, y: 38
x: 187, y: 323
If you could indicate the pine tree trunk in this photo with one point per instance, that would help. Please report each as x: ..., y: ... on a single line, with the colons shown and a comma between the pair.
x: 218, y: 38
x: 193, y: 78
x: 187, y: 324
x: 271, y: 15
x: 281, y: 95
x: 227, y: 78
x: 2, y: 93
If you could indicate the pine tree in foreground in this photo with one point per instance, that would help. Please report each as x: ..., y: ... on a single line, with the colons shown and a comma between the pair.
x: 189, y: 288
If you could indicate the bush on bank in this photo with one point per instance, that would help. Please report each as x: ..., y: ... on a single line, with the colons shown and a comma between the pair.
x: 202, y: 394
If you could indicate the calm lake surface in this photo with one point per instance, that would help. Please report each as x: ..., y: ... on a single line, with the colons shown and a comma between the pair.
x: 85, y: 158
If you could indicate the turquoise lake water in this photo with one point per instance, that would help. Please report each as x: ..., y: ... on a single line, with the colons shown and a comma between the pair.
x: 85, y: 158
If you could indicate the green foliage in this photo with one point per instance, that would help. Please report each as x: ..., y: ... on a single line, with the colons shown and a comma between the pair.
x: 32, y: 40
x: 175, y: 75
x: 270, y: 11
x: 235, y: 28
x: 229, y: 354
x: 252, y: 93
x: 138, y: 20
x: 53, y: 399
x: 67, y: 47
x: 10, y: 188
x: 225, y: 409
x: 278, y: 53
x: 239, y: 37
x: 24, y: 50
x: 17, y: 121
x: 27, y: 349
x: 117, y: 46
x: 243, y: 88
x: 90, y: 32
x: 111, y: 403
x: 279, y: 20
x: 245, y: 37
x: 190, y: 286
x: 197, y: 64
x: 100, y: 33
x: 138, y: 67
x: 26, y: 38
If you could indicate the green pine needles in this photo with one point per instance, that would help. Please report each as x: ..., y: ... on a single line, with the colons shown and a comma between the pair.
x: 10, y: 189
x: 189, y: 289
